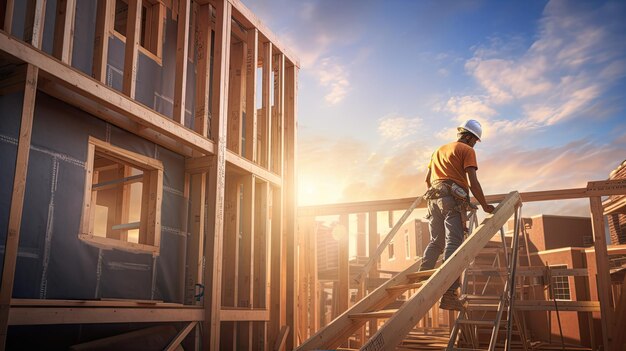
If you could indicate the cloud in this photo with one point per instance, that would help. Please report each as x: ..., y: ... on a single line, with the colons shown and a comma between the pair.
x: 334, y: 76
x: 396, y: 127
x: 578, y: 55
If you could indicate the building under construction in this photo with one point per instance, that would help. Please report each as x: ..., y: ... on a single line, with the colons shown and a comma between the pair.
x: 148, y: 201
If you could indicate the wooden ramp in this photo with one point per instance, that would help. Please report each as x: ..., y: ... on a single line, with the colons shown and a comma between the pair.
x: 430, y: 287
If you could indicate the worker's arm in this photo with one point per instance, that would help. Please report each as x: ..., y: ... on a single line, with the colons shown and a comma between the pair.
x: 428, y: 179
x: 477, y: 190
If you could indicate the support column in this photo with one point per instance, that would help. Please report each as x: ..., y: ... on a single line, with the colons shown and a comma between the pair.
x: 17, y: 200
x: 213, y: 247
x: 602, y: 267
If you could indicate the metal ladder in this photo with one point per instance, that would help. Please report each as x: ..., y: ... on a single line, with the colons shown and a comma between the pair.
x: 466, y: 327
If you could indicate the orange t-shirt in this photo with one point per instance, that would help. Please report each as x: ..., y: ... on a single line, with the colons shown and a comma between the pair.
x: 450, y: 162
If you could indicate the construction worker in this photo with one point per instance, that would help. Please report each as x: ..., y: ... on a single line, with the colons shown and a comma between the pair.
x: 449, y: 170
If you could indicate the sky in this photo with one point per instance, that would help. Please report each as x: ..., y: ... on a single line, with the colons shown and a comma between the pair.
x: 382, y: 84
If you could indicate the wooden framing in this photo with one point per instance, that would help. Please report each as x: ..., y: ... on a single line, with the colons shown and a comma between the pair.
x: 131, y: 50
x: 17, y: 200
x: 182, y: 52
x: 265, y: 274
x: 213, y: 244
x: 33, y: 28
x: 64, y: 31
x: 150, y: 223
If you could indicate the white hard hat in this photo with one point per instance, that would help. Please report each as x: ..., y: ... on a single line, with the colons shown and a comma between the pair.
x: 472, y: 126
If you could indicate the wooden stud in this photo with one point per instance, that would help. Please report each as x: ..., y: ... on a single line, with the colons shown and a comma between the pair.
x: 175, y: 343
x: 278, y: 116
x: 203, y: 33
x: 246, y: 261
x: 602, y: 267
x: 262, y: 236
x: 287, y: 147
x: 101, y: 39
x: 265, y: 117
x: 231, y: 254
x: 17, y: 200
x: 8, y: 16
x: 620, y: 322
x: 34, y: 23
x: 195, y: 242
x: 252, y: 57
x: 278, y: 277
x: 373, y: 240
x: 64, y: 31
x: 343, y: 294
x: 213, y: 245
x: 133, y: 35
x: 182, y: 51
x: 236, y: 96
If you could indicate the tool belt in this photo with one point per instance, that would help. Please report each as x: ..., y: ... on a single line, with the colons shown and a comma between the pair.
x: 443, y: 188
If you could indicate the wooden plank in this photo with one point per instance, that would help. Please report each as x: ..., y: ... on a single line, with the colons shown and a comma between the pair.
x: 400, y: 324
x: 202, y: 164
x: 97, y: 315
x: 619, y: 341
x: 17, y: 200
x: 131, y: 49
x: 8, y: 16
x: 246, y: 260
x: 234, y: 314
x: 265, y: 117
x: 195, y: 242
x: 278, y: 116
x: 541, y: 305
x: 95, y: 303
x: 88, y: 208
x: 236, y: 97
x: 230, y: 252
x: 600, y: 188
x: 34, y: 23
x: 281, y: 340
x: 109, y: 98
x: 101, y: 39
x: 277, y: 270
x: 213, y: 246
x: 64, y: 31
x: 343, y: 293
x: 261, y: 268
x: 252, y: 58
x: 175, y: 343
x: 182, y: 51
x: 602, y: 266
x: 286, y: 155
x: 203, y: 81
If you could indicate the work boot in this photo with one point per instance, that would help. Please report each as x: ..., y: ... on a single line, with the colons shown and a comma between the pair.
x: 450, y: 301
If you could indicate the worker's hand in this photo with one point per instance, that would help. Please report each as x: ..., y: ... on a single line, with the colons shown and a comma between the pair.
x: 488, y: 208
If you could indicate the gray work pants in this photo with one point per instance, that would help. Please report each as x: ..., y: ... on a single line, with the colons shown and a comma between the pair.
x: 446, y: 232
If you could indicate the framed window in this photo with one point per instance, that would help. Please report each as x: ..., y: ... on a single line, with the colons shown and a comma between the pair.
x: 122, y: 203
x: 560, y: 285
x: 151, y: 32
x: 391, y: 251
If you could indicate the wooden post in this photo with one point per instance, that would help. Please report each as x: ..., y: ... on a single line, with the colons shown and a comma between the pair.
x: 34, y: 23
x: 230, y: 251
x: 262, y: 238
x: 101, y: 39
x: 64, y: 31
x: 17, y: 200
x: 278, y: 278
x: 286, y: 158
x: 246, y: 260
x: 602, y: 266
x: 264, y: 119
x: 213, y: 247
x: 133, y: 34
x: 182, y: 52
x: 343, y: 293
x: 278, y: 116
x: 373, y: 240
x: 235, y: 96
x: 620, y: 321
x: 8, y: 16
x: 195, y: 242
x: 203, y: 81
x: 252, y: 60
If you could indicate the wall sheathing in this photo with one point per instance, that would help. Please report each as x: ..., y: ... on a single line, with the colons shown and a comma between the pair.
x: 227, y: 217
